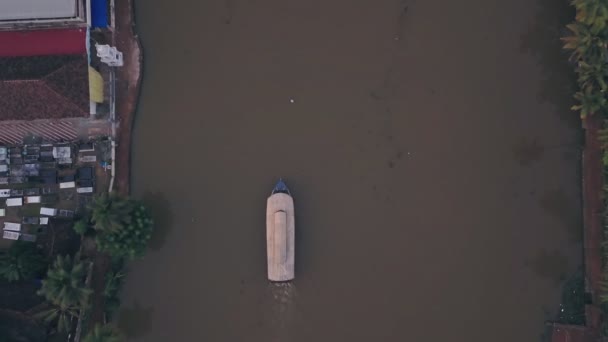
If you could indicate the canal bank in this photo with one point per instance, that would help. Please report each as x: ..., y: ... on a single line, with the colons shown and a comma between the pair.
x: 126, y: 89
x: 593, y: 216
x: 586, y: 42
x: 128, y: 85
x: 484, y: 203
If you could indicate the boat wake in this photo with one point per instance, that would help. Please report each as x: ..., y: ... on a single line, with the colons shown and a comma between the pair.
x: 282, y: 301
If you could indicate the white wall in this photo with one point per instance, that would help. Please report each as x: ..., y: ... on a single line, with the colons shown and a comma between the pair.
x: 37, y: 9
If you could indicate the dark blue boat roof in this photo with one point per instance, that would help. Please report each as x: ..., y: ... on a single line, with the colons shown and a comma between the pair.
x: 281, y: 187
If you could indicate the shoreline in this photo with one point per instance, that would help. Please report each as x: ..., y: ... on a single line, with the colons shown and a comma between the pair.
x: 592, y: 184
x: 593, y: 210
x: 128, y: 86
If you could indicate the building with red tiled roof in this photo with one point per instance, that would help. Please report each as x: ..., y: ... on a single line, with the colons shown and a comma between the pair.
x: 44, y: 87
x: 44, y: 74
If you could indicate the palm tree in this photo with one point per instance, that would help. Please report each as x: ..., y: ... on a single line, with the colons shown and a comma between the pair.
x: 62, y: 316
x: 585, y: 44
x: 64, y: 285
x: 590, y: 101
x: 592, y: 13
x: 602, y: 137
x: 593, y: 75
x: 132, y: 239
x: 22, y: 261
x: 114, y: 281
x: 103, y: 333
x: 110, y: 212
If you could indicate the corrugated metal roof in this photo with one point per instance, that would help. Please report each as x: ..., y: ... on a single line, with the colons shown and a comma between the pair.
x: 37, y: 9
x: 14, y: 202
x: 48, y: 211
x: 12, y: 226
x: 10, y: 235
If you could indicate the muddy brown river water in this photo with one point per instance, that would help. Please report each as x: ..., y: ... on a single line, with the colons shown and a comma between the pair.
x: 428, y: 144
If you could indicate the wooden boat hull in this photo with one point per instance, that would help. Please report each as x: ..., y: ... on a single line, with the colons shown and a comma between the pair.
x: 280, y: 237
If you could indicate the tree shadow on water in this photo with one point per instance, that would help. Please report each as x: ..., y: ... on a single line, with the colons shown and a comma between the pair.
x: 135, y: 321
x: 562, y: 206
x: 551, y: 265
x: 160, y: 210
x: 542, y: 39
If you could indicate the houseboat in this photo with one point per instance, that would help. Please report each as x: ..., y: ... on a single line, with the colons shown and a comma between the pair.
x: 280, y: 234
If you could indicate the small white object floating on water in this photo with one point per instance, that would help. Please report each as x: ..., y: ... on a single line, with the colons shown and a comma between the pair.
x: 280, y: 234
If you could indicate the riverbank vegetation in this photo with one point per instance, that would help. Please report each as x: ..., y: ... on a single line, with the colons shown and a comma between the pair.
x: 120, y: 229
x: 103, y: 333
x: 588, y: 44
x: 113, y: 229
x: 123, y: 226
x: 22, y: 261
x: 65, y: 290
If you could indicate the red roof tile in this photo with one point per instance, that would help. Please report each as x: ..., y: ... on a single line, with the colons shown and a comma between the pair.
x: 44, y: 87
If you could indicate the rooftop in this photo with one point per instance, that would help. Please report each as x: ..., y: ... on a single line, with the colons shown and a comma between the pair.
x: 44, y: 87
x: 37, y: 9
x: 42, y: 42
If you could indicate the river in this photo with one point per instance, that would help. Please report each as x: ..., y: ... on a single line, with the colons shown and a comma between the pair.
x: 429, y: 146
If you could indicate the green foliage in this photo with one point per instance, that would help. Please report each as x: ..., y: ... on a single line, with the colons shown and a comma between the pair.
x: 114, y: 281
x: 22, y: 261
x: 59, y: 315
x: 589, y: 45
x: 605, y: 162
x: 64, y: 285
x: 130, y: 238
x: 592, y: 13
x: 602, y: 137
x: 110, y: 212
x: 585, y: 45
x: 590, y: 102
x: 105, y: 333
x: 604, y: 292
x: 593, y: 76
x: 81, y: 227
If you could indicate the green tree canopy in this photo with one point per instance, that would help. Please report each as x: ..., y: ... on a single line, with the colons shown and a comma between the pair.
x: 81, y: 226
x: 60, y: 315
x: 21, y: 261
x: 131, y: 238
x: 593, y: 13
x: 64, y: 285
x: 589, y: 44
x: 114, y: 280
x: 110, y: 212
